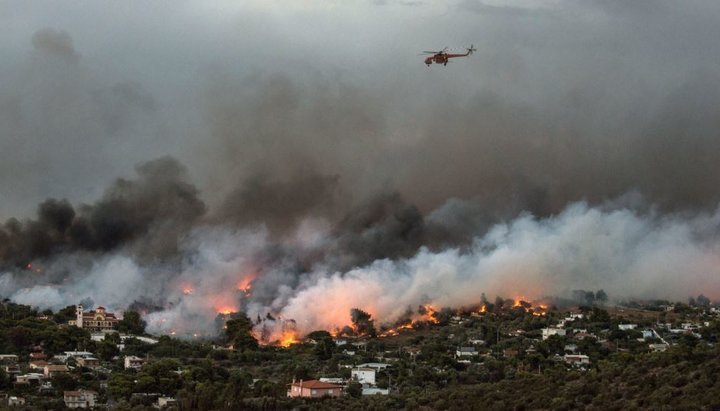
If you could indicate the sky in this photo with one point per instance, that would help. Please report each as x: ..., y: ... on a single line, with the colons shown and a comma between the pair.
x: 305, y: 144
x: 146, y: 81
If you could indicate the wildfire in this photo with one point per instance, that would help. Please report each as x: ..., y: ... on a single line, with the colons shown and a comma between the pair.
x: 226, y: 310
x: 428, y: 314
x: 289, y: 337
x: 245, y: 284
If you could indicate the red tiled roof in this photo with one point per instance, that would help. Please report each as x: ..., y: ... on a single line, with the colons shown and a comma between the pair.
x: 314, y: 384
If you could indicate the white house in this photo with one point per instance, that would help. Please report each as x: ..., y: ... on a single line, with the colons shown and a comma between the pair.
x: 166, y: 402
x: 576, y: 359
x: 80, y: 399
x: 626, y: 327
x: 132, y: 361
x: 547, y: 332
x: 364, y: 375
x: 14, y: 401
x: 658, y: 347
x: 466, y: 352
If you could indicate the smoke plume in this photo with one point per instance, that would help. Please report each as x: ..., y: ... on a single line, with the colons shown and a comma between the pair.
x: 174, y: 163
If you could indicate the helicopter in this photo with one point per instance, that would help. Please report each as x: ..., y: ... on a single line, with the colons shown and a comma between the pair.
x: 443, y: 57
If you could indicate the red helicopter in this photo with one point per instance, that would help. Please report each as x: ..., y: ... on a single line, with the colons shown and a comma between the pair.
x: 443, y: 57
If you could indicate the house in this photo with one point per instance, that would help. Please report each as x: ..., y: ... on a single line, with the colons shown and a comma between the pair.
x: 576, y: 359
x: 364, y: 375
x: 8, y: 358
x: 413, y: 351
x: 625, y: 327
x: 466, y: 352
x: 30, y: 378
x: 313, y: 389
x: 132, y: 361
x: 166, y: 402
x: 14, y: 401
x: 510, y: 353
x: 38, y: 356
x: 376, y: 365
x: 648, y: 334
x: 334, y: 380
x: 80, y: 399
x: 658, y: 347
x: 12, y: 370
x: 52, y: 369
x: 375, y: 391
x: 98, y: 320
x: 88, y: 362
x: 583, y: 335
x: 547, y: 332
x: 570, y: 348
x: 38, y: 365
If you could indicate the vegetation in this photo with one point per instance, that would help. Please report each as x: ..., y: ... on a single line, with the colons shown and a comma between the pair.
x: 513, y: 369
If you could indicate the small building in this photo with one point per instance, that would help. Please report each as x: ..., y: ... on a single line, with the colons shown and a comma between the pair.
x: 97, y: 320
x: 12, y: 370
x: 510, y: 353
x: 583, y: 335
x: 30, y: 378
x: 626, y: 327
x: 164, y: 402
x: 132, y: 361
x: 375, y: 365
x: 466, y: 352
x: 88, y: 362
x: 577, y: 359
x: 14, y: 401
x: 38, y: 356
x: 375, y: 391
x: 80, y: 399
x: 658, y: 347
x: 334, y: 380
x: 364, y: 375
x: 547, y: 332
x: 8, y: 359
x: 313, y: 389
x: 52, y: 369
x: 38, y: 365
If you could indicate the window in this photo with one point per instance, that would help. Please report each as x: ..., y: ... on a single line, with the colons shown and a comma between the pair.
x: 314, y: 392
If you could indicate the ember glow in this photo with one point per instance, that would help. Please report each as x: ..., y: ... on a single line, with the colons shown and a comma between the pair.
x: 245, y: 284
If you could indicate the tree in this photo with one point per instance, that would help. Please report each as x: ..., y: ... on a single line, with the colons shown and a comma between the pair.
x: 702, y: 301
x: 132, y: 323
x: 363, y: 323
x: 601, y: 296
x: 354, y: 389
x: 239, y: 333
x: 107, y: 350
x: 63, y: 382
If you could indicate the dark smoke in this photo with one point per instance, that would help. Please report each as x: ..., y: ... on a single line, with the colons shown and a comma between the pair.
x: 159, y: 204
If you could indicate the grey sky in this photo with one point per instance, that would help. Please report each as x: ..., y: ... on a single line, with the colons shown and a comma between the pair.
x: 576, y: 99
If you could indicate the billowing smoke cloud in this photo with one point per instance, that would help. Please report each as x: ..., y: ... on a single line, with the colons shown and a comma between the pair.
x: 154, y: 210
x: 350, y: 175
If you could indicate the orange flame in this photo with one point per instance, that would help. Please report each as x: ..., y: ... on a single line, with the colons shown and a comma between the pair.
x: 226, y: 310
x: 245, y: 284
x: 289, y: 337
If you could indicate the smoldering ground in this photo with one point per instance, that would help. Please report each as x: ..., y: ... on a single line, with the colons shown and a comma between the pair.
x: 351, y: 169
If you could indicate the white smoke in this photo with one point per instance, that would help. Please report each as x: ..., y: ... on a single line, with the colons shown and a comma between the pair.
x: 625, y: 252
